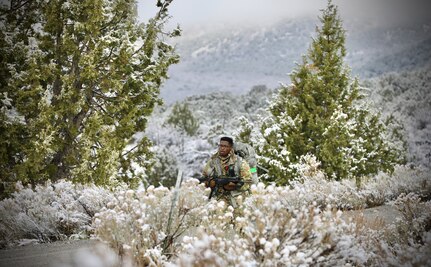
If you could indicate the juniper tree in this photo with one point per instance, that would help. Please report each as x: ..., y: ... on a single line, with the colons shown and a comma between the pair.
x: 82, y: 77
x: 183, y: 118
x: 323, y: 113
x: 245, y: 131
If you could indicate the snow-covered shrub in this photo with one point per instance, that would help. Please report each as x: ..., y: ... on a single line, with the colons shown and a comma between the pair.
x: 266, y: 233
x: 135, y: 222
x: 290, y: 225
x: 407, y: 242
x: 385, y: 187
x: 50, y: 212
x: 341, y: 194
x: 375, y: 191
x: 165, y: 168
x: 416, y: 220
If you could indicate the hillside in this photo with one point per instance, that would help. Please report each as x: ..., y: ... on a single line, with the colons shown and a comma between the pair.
x: 405, y: 95
x: 235, y: 60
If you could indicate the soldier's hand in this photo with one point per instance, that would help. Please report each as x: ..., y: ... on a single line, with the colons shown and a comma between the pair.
x: 210, y: 183
x: 230, y: 186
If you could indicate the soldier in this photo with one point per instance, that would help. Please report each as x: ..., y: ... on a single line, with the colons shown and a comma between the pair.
x: 225, y: 164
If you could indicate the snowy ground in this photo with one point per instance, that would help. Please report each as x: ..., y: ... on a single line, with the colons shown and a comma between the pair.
x: 78, y: 252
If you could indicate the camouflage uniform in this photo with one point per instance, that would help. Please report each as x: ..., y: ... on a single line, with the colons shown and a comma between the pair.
x: 219, y: 166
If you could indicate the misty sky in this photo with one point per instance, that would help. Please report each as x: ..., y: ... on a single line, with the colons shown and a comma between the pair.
x: 194, y: 13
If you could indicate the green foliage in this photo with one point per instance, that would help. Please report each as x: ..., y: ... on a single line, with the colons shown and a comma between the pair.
x: 12, y: 135
x: 245, y: 131
x: 182, y: 117
x: 84, y: 76
x: 323, y: 113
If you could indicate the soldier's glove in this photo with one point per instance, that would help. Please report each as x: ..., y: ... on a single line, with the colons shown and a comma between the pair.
x: 210, y: 183
x: 230, y: 186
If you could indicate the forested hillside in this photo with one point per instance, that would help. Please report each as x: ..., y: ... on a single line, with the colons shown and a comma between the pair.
x: 236, y: 59
x: 405, y: 96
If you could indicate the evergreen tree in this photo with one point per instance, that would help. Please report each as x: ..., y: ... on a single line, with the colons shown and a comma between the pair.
x: 183, y: 118
x: 82, y: 77
x: 15, y: 32
x: 245, y: 130
x: 323, y: 113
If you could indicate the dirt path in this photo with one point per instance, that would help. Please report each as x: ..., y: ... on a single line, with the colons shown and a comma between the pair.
x: 388, y: 214
x: 48, y: 254
x: 64, y: 253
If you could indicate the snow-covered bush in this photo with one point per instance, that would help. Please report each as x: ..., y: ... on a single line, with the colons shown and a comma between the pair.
x: 164, y: 170
x: 291, y: 225
x: 50, y: 212
x: 262, y: 231
x: 384, y: 187
x: 301, y: 237
x: 407, y: 242
x: 312, y: 186
x: 414, y: 226
x: 135, y: 222
x: 59, y: 210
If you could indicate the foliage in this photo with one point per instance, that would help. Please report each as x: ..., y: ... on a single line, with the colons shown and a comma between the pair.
x: 405, y: 242
x: 182, y: 117
x: 50, y: 212
x: 293, y: 224
x: 165, y: 169
x: 245, y: 131
x: 135, y: 222
x: 261, y: 232
x: 405, y: 97
x: 83, y: 76
x: 323, y: 114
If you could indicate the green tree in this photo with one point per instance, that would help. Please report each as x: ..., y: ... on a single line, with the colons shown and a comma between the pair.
x: 81, y: 78
x: 183, y: 118
x: 323, y: 113
x: 245, y: 131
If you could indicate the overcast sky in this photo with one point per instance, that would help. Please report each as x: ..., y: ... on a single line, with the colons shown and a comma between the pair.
x: 193, y: 13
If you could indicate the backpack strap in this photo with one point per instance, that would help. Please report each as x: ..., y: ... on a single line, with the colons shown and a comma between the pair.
x: 217, y: 166
x: 238, y: 166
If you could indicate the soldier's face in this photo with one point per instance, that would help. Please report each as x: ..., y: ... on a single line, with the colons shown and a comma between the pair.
x: 224, y: 148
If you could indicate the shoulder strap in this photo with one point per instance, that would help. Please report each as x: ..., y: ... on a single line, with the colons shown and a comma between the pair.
x: 217, y: 166
x: 238, y: 166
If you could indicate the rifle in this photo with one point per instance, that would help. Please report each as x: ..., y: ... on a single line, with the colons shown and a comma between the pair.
x: 216, y: 182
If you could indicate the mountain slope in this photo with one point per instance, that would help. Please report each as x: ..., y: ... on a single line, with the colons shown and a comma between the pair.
x: 236, y: 59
